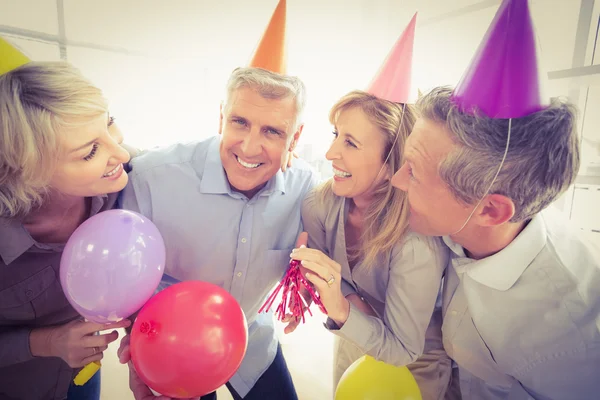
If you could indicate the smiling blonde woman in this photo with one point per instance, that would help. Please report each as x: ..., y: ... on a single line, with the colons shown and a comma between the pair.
x: 60, y: 154
x: 362, y: 252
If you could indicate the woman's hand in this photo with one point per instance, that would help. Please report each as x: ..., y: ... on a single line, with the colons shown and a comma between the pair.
x: 326, y: 276
x: 75, y: 342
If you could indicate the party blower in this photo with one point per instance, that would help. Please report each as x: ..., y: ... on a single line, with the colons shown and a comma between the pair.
x: 110, y: 267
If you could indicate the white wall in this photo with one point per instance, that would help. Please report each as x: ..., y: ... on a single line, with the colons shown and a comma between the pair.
x: 163, y: 65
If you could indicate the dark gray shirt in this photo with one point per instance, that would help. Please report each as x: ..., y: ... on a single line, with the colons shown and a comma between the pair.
x: 30, y: 297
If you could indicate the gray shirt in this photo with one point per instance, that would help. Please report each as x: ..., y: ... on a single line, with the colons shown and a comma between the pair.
x: 31, y: 297
x: 402, y: 288
x: 525, y: 322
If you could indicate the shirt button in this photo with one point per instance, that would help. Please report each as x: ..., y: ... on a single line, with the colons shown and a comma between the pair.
x: 29, y: 293
x: 243, y: 240
x: 239, y: 274
x: 453, y: 313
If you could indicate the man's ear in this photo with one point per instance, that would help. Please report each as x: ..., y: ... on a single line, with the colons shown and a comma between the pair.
x: 495, y: 210
x: 220, y: 118
x: 296, y: 138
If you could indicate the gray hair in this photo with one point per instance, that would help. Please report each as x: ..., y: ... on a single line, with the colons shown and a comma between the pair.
x: 541, y: 163
x: 37, y: 100
x: 269, y: 85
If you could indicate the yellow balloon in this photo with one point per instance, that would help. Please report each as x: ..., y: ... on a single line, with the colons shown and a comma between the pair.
x: 10, y: 57
x: 369, y: 379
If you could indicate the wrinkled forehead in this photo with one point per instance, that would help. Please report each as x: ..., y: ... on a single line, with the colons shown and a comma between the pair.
x: 428, y: 144
x: 258, y: 109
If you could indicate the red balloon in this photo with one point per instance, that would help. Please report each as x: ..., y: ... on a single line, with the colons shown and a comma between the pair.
x: 189, y: 339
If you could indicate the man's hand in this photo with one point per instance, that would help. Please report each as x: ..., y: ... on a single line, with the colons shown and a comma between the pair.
x: 289, y: 318
x: 75, y: 342
x: 291, y: 155
x: 123, y: 352
x: 140, y: 390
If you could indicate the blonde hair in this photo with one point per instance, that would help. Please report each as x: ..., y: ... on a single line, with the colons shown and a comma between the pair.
x: 36, y: 101
x: 386, y: 219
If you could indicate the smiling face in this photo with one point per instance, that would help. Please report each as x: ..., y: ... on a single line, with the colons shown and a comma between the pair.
x: 434, y: 210
x: 257, y: 135
x: 356, y: 154
x: 92, y: 158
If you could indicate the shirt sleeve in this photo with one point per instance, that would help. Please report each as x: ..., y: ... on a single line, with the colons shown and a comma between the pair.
x: 416, y: 271
x: 313, y: 221
x: 136, y: 195
x: 433, y: 369
x: 14, y: 346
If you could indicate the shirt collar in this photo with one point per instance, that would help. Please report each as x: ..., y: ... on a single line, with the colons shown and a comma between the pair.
x: 214, y: 179
x: 502, y: 270
x: 16, y: 240
x: 275, y: 184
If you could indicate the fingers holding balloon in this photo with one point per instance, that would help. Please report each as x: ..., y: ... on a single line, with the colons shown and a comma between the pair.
x: 88, y: 328
x: 100, y: 340
x: 123, y: 352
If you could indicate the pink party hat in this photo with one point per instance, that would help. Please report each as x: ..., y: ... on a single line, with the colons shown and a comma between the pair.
x: 392, y: 81
x: 503, y: 79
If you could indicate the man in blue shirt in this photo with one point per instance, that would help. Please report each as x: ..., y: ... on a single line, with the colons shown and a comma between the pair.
x: 230, y: 216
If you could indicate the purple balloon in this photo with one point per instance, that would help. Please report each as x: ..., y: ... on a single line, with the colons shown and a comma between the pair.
x: 503, y: 79
x: 111, y: 265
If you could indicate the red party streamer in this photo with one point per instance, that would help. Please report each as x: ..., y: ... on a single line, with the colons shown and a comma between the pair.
x: 291, y: 298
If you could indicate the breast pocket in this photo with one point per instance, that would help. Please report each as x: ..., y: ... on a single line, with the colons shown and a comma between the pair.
x: 277, y: 262
x: 17, y: 301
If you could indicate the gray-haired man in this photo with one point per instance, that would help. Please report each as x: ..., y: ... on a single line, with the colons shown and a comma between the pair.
x: 521, y: 296
x: 229, y: 214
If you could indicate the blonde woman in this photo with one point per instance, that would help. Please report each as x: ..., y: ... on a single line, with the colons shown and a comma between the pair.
x: 60, y: 154
x: 359, y: 242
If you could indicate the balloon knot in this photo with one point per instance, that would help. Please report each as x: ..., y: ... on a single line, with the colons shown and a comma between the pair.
x: 145, y: 327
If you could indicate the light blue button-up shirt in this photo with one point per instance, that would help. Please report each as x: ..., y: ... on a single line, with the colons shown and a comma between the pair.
x: 525, y: 322
x: 216, y: 235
